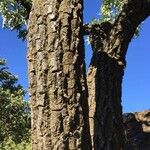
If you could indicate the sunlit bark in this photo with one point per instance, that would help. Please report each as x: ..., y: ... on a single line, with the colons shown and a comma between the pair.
x: 57, y: 76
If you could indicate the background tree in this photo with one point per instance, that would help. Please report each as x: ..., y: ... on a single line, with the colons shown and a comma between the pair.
x: 14, y: 112
x: 110, y: 42
x: 54, y: 55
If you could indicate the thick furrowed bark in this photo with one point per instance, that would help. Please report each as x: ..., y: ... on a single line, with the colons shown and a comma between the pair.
x: 57, y: 76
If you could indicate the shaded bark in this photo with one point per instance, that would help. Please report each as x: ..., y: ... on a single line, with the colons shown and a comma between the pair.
x: 104, y: 84
x: 137, y: 130
x: 57, y: 76
x: 106, y: 73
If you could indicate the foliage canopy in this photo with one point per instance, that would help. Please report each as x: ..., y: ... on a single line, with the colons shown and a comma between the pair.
x: 14, y: 112
x: 15, y: 13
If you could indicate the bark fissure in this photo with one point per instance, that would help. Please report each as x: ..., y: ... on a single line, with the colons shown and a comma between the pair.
x: 58, y: 86
x: 57, y: 77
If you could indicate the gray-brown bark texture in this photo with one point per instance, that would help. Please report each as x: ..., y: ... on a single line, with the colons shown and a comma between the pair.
x: 57, y: 76
x: 109, y: 44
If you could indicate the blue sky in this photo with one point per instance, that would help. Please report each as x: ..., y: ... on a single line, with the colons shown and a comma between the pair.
x: 136, y: 84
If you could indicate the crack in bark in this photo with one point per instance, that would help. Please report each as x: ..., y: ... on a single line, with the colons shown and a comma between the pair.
x: 59, y: 123
x: 57, y: 75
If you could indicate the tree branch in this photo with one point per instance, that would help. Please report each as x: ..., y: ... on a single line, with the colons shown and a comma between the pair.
x: 134, y: 12
x: 95, y: 28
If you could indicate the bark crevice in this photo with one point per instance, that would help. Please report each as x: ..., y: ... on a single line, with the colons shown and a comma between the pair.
x: 57, y: 76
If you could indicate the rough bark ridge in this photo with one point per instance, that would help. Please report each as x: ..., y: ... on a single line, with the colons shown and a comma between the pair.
x: 57, y: 76
x: 106, y: 72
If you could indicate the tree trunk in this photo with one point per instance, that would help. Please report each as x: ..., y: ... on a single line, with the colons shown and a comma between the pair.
x: 104, y: 86
x: 106, y: 116
x: 110, y: 44
x: 57, y: 76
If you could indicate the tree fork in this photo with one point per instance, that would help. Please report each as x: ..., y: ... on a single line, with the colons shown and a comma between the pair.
x: 106, y: 72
